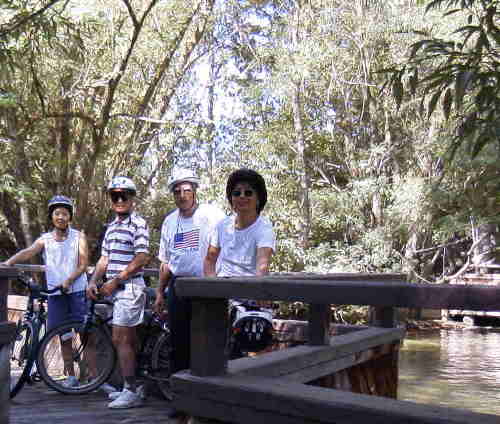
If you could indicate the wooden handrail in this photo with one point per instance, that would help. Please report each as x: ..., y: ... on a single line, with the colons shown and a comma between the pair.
x: 342, y: 290
x: 251, y: 399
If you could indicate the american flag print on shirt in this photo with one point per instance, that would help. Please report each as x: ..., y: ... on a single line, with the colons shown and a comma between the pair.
x: 187, y: 239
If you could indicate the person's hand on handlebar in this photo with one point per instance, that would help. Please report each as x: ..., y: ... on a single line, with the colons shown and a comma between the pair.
x: 159, y: 304
x: 107, y: 289
x: 66, y: 286
x: 92, y: 291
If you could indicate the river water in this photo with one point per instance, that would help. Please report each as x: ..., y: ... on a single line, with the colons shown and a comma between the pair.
x: 457, y: 367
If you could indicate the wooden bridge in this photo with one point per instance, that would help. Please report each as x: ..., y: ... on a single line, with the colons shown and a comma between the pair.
x: 276, y: 386
x: 270, y: 388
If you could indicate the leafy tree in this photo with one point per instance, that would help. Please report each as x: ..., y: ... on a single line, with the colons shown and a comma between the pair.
x: 92, y: 98
x: 460, y: 71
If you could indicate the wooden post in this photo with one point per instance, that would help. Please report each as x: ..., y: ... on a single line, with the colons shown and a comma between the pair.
x: 7, y: 330
x: 319, y: 324
x: 384, y: 317
x: 209, y: 328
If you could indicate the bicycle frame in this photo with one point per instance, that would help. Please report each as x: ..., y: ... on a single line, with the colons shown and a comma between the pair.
x: 31, y: 324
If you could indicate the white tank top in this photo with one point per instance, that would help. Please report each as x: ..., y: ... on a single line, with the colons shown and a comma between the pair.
x: 61, y: 260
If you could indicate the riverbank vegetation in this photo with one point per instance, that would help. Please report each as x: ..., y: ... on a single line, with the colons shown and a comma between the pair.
x: 375, y: 123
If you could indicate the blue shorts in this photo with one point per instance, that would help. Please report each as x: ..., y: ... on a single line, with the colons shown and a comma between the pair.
x: 65, y: 308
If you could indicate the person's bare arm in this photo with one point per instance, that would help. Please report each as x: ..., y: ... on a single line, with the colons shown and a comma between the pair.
x: 140, y: 260
x: 210, y: 261
x: 99, y: 271
x: 165, y: 277
x: 264, y: 255
x: 83, y: 262
x: 25, y: 254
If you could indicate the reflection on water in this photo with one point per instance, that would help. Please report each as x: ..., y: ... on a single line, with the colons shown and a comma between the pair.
x: 458, y: 368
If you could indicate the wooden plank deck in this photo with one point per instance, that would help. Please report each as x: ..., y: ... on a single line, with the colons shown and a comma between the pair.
x: 37, y: 403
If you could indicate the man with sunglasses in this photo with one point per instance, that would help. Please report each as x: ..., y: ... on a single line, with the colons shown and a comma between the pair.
x: 183, y: 246
x: 125, y: 252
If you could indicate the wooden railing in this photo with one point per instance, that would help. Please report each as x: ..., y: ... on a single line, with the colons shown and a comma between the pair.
x: 270, y: 388
x: 6, y: 336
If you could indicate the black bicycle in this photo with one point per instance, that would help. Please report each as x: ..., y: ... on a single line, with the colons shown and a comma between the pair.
x: 30, y: 329
x: 85, y: 350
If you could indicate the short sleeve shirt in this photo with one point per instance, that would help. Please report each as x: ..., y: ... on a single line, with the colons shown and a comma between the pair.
x: 184, y: 241
x: 123, y: 240
x: 238, y: 248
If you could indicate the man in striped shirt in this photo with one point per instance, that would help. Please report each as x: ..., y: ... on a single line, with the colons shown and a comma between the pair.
x: 125, y: 252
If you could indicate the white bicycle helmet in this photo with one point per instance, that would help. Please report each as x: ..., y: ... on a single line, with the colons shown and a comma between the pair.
x: 252, y: 327
x: 183, y: 176
x: 122, y: 183
x: 58, y: 201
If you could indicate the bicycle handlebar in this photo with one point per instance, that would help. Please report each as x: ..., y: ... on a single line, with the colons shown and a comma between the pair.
x: 35, y: 288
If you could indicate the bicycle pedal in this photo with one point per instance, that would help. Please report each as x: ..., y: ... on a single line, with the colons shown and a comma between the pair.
x: 36, y: 378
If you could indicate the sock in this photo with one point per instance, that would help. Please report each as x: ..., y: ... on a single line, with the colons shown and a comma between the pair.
x: 130, y: 384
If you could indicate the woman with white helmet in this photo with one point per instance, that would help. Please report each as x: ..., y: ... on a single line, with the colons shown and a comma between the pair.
x: 65, y: 255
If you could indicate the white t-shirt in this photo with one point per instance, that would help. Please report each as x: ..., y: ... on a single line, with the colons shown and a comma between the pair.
x: 184, y: 241
x: 238, y: 254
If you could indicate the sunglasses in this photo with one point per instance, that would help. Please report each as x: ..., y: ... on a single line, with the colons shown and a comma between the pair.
x: 178, y: 191
x: 245, y: 193
x: 117, y: 195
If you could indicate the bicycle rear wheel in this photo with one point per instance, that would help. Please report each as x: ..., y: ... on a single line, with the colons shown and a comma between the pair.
x: 161, y: 364
x: 84, y: 351
x: 22, y: 356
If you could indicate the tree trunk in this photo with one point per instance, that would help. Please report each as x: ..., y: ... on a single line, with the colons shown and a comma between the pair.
x: 211, y: 125
x: 304, y: 182
x: 484, y: 253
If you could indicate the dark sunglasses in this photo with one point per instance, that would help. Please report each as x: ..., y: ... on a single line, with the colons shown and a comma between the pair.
x: 117, y: 195
x: 246, y: 193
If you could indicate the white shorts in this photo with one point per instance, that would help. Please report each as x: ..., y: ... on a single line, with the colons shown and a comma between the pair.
x: 128, y: 305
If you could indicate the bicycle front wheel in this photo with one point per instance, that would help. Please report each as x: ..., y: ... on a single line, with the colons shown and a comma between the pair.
x: 76, y: 358
x: 161, y: 364
x: 22, y: 356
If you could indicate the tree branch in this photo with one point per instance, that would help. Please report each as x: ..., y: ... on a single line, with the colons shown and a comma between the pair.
x: 132, y: 14
x: 28, y: 18
x: 430, y: 249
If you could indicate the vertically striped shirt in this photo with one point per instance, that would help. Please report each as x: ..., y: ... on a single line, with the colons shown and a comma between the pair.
x: 122, y: 241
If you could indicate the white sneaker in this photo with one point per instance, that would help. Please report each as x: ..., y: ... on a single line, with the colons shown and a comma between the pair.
x: 127, y: 399
x: 140, y: 391
x: 107, y: 388
x: 70, y: 382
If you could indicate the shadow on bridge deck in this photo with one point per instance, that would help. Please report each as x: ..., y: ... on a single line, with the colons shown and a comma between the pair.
x: 41, y: 405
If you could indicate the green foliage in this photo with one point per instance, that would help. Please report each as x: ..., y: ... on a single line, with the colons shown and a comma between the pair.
x: 460, y: 72
x: 291, y: 89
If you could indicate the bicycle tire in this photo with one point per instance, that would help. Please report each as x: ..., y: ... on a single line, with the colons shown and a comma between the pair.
x: 53, y: 369
x: 22, y: 356
x: 161, y: 364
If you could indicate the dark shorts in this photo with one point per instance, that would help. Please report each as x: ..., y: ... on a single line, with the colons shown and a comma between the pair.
x: 66, y: 308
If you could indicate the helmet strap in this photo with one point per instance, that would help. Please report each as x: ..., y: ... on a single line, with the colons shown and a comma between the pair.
x: 124, y: 215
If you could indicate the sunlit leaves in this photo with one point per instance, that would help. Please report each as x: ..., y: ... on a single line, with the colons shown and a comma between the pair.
x: 465, y: 68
